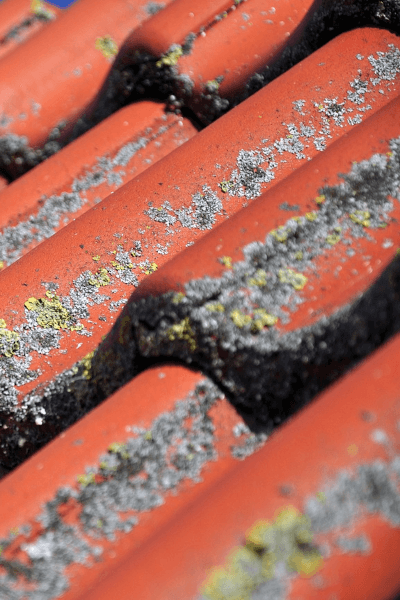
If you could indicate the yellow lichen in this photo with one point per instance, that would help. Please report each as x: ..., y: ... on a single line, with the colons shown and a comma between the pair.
x: 86, y: 479
x: 297, y: 280
x: 218, y: 307
x: 299, y: 255
x: 86, y: 362
x: 361, y: 217
x: 171, y: 58
x: 182, y: 331
x: 41, y: 10
x: 287, y: 539
x: 178, y: 297
x: 225, y: 186
x: 96, y: 258
x: 212, y: 84
x: 149, y: 269
x: 107, y: 46
x: 50, y: 312
x: 100, y: 279
x: 280, y: 234
x: 320, y: 199
x: 119, y: 448
x: 262, y: 319
x: 227, y: 262
x: 311, y: 216
x: 332, y: 239
x: 9, y: 340
x: 239, y: 319
x: 259, y: 279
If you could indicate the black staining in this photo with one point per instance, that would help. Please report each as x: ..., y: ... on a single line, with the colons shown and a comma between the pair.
x: 228, y: 327
x: 137, y: 75
x: 17, y: 32
x: 327, y: 21
x: 17, y: 157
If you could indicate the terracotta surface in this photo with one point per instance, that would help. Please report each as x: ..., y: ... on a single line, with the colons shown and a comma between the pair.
x: 154, y: 261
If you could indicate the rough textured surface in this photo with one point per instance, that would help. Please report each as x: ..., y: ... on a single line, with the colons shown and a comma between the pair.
x: 276, y: 552
x: 142, y: 76
x: 132, y: 477
x: 14, y: 240
x: 147, y: 76
x: 228, y: 327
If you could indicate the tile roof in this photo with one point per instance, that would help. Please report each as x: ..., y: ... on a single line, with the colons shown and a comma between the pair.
x: 198, y: 236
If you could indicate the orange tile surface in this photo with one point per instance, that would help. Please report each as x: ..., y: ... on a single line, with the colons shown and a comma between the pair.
x: 199, y: 287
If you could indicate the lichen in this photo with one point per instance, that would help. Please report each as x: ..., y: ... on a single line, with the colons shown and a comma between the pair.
x: 182, y: 331
x: 86, y: 363
x: 297, y: 280
x: 362, y: 217
x: 49, y: 312
x: 280, y: 234
x: 40, y: 9
x: 287, y: 540
x: 227, y: 261
x: 262, y: 319
x: 216, y: 307
x: 101, y: 278
x: 9, y: 340
x: 170, y: 59
x: 107, y: 46
x: 259, y: 279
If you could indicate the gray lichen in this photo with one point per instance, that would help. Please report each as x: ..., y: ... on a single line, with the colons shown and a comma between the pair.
x: 131, y: 478
x: 229, y: 326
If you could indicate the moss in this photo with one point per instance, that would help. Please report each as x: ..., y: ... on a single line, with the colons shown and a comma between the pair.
x: 361, y: 217
x: 170, y: 59
x: 107, y: 46
x: 297, y: 280
x: 182, y: 331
